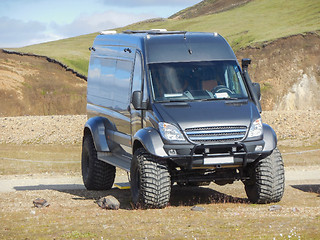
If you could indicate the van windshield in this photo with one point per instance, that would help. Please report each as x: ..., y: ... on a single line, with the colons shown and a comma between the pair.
x: 187, y: 81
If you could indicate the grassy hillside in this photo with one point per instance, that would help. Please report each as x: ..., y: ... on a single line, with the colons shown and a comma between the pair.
x: 253, y: 23
x: 208, y: 7
x: 73, y: 52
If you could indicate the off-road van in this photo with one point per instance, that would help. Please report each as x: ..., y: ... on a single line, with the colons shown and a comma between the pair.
x: 175, y: 107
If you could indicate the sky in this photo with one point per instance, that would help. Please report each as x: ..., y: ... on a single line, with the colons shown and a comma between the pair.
x: 27, y: 22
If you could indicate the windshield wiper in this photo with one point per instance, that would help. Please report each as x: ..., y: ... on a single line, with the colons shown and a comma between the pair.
x: 233, y: 99
x: 173, y: 100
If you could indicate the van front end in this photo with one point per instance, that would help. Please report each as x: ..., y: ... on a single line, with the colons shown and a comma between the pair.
x: 214, y: 156
x: 221, y: 154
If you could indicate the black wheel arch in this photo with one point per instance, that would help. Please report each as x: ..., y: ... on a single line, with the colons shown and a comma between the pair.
x: 150, y: 139
x: 100, y: 128
x: 269, y: 138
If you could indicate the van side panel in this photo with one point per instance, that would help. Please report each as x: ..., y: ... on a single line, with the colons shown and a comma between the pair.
x: 109, y: 87
x: 121, y: 101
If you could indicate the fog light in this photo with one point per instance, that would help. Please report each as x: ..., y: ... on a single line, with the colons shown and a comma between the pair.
x: 172, y: 152
x: 258, y: 148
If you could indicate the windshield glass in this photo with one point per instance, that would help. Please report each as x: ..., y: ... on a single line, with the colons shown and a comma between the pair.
x: 185, y: 81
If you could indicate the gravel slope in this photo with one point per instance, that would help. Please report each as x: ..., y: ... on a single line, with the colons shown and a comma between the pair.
x: 301, y: 127
x: 55, y: 129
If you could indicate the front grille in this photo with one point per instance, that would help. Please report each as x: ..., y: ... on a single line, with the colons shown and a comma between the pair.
x: 216, y: 134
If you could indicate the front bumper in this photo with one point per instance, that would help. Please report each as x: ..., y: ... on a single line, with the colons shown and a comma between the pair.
x: 219, y: 155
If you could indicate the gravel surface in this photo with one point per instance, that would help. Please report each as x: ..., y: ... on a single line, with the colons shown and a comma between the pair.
x: 55, y: 129
x: 301, y: 127
x: 295, y: 128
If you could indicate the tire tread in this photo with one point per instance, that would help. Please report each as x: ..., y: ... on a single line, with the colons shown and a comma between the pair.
x: 155, y: 181
x: 101, y: 175
x: 268, y: 179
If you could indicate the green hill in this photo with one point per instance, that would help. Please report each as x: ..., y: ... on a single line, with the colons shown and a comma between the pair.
x: 252, y: 23
x: 208, y: 7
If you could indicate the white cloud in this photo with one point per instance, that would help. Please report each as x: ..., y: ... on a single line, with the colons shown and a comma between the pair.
x: 30, y: 22
x: 16, y: 33
x: 96, y: 22
x: 139, y: 3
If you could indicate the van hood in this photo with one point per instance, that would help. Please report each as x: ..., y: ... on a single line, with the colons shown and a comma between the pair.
x: 208, y: 113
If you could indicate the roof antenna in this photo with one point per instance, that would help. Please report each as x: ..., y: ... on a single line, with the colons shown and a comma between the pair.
x: 187, y: 44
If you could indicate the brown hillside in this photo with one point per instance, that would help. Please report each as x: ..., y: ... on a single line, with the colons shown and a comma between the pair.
x: 34, y: 86
x: 208, y: 7
x: 288, y: 70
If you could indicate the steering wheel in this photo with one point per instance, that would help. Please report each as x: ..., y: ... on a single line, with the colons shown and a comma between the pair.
x: 222, y: 88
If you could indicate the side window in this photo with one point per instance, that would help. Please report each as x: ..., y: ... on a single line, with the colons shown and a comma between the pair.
x: 100, y: 80
x: 122, y: 84
x: 94, y: 76
x: 137, y: 74
x: 108, y: 67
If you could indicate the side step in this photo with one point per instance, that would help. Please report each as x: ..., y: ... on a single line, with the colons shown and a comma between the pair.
x: 123, y: 185
x: 115, y: 160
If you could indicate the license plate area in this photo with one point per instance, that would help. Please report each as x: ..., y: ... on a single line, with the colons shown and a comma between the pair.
x: 218, y: 160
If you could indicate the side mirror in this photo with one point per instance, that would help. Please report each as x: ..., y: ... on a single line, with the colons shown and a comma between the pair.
x: 137, y: 100
x: 256, y: 88
x: 245, y: 63
x: 253, y: 87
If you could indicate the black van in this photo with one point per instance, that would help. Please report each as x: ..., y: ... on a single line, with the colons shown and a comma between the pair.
x: 175, y: 107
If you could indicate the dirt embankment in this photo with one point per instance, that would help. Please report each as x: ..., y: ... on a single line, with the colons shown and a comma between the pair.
x: 288, y: 71
x: 31, y: 85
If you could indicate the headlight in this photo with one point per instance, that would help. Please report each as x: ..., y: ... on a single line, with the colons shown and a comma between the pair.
x: 170, y: 132
x: 255, y: 129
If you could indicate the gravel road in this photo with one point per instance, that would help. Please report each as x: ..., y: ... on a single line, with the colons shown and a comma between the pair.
x: 61, y: 182
x: 300, y: 126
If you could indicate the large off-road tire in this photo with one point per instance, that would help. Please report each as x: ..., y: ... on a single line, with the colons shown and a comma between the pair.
x: 96, y: 175
x: 150, y: 181
x: 266, y: 184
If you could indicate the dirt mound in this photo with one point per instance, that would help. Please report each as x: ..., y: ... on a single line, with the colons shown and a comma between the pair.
x: 32, y: 85
x: 207, y: 7
x: 288, y: 71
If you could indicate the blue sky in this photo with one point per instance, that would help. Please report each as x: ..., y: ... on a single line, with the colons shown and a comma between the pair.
x: 26, y: 22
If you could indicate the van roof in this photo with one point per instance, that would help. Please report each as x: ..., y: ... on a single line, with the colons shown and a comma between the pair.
x: 154, y: 32
x: 159, y: 45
